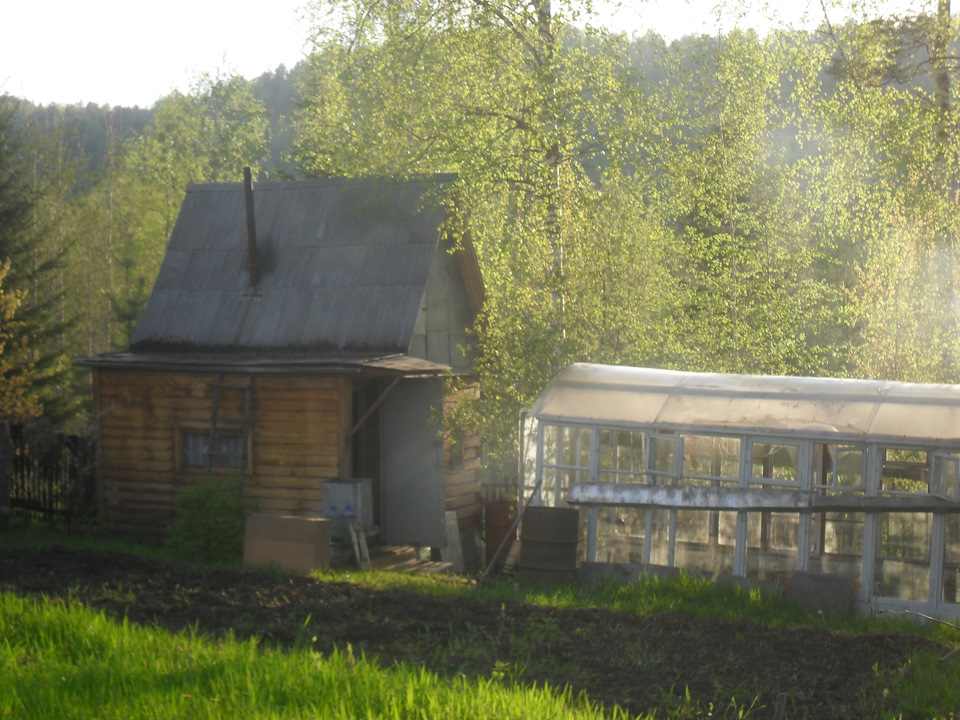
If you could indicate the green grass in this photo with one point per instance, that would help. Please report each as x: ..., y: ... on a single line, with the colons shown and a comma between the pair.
x: 62, y: 661
x: 42, y: 535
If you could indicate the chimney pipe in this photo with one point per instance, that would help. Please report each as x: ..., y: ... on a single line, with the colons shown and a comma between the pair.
x: 253, y: 262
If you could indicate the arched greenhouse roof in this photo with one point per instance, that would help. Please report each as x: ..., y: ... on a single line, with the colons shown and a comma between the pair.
x: 832, y: 409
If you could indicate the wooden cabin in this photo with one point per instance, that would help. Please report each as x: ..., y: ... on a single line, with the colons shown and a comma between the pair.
x: 297, y: 333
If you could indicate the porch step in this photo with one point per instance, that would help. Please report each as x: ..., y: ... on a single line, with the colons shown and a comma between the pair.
x: 404, y: 559
x: 430, y: 567
x: 384, y: 557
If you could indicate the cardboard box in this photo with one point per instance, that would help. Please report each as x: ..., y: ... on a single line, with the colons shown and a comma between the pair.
x: 293, y: 543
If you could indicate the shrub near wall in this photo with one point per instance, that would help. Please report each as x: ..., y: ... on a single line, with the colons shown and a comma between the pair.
x: 210, y: 522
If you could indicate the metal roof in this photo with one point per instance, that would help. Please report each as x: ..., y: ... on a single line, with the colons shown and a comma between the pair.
x: 343, y: 267
x: 841, y: 410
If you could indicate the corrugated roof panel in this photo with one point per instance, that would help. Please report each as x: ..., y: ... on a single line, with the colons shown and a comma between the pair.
x: 339, y: 262
x: 842, y: 409
x: 399, y: 265
x: 389, y: 315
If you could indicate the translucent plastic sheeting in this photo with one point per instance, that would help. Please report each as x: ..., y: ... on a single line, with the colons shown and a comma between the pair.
x: 842, y: 409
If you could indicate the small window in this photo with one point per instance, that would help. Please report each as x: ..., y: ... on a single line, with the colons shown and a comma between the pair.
x: 906, y: 471
x: 710, y: 460
x: 228, y: 453
x: 775, y: 464
x: 946, y: 471
x: 838, y: 469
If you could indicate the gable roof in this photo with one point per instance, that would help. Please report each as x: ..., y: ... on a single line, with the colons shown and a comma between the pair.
x: 343, y: 267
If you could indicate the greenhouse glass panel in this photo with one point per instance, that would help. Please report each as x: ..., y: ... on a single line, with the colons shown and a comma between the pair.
x: 556, y: 484
x: 621, y: 452
x: 576, y: 449
x: 838, y: 469
x: 566, y: 458
x: 836, y: 543
x: 771, y: 544
x: 709, y: 460
x: 658, y: 534
x: 620, y: 534
x: 944, y: 481
x: 550, y: 444
x: 951, y: 561
x: 706, y: 540
x: 663, y: 452
x: 774, y: 464
x: 906, y: 471
x: 903, y: 564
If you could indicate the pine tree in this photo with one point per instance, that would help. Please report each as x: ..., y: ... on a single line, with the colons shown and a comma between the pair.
x: 32, y: 363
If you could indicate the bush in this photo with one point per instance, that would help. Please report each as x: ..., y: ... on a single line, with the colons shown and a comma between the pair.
x: 210, y: 522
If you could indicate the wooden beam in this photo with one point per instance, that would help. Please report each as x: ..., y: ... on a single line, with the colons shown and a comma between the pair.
x: 373, y: 407
x: 695, y: 497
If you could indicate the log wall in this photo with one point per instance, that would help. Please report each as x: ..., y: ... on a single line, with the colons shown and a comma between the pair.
x: 296, y: 421
x: 462, y: 464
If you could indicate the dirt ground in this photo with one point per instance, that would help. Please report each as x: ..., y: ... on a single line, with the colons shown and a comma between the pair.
x: 616, y: 658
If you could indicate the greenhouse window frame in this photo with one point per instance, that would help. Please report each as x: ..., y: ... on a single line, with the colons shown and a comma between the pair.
x: 824, y: 499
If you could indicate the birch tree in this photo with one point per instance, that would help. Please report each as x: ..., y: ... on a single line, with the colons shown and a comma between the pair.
x: 532, y: 115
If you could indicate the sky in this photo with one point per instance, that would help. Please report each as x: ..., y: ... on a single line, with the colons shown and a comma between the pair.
x: 126, y: 53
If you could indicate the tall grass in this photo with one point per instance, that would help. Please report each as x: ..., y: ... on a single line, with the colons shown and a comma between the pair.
x: 63, y: 661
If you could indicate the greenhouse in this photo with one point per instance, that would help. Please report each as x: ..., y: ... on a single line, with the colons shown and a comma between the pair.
x: 759, y: 476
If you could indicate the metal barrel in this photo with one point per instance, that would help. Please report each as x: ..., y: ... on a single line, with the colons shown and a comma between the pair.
x: 549, y: 538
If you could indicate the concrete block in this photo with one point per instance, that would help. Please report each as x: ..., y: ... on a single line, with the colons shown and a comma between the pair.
x: 828, y: 593
x: 296, y: 544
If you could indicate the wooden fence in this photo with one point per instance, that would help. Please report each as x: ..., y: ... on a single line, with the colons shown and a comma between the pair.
x: 53, y: 476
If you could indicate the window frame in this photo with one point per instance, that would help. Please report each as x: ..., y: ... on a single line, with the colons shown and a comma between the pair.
x: 181, y: 464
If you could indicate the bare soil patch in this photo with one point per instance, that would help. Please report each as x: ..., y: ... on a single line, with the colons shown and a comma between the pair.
x: 615, y: 657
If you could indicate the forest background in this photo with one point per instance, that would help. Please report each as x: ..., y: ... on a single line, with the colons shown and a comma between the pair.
x: 777, y: 203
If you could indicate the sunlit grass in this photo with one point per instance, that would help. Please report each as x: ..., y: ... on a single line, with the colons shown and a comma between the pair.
x: 62, y: 661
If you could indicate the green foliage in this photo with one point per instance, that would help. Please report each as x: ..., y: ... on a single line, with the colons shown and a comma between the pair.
x: 31, y: 166
x: 16, y: 398
x: 526, y: 109
x: 778, y: 204
x: 119, y: 227
x: 210, y: 522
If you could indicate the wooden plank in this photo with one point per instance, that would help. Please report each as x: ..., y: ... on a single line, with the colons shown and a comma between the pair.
x: 291, y: 507
x: 290, y: 467
x: 268, y: 483
x: 452, y: 552
x: 467, y: 512
x: 713, y: 498
x: 142, y: 504
x: 115, y: 436
x: 296, y: 436
x: 284, y: 425
x: 302, y: 403
x: 462, y: 482
x: 127, y: 464
x: 284, y: 493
